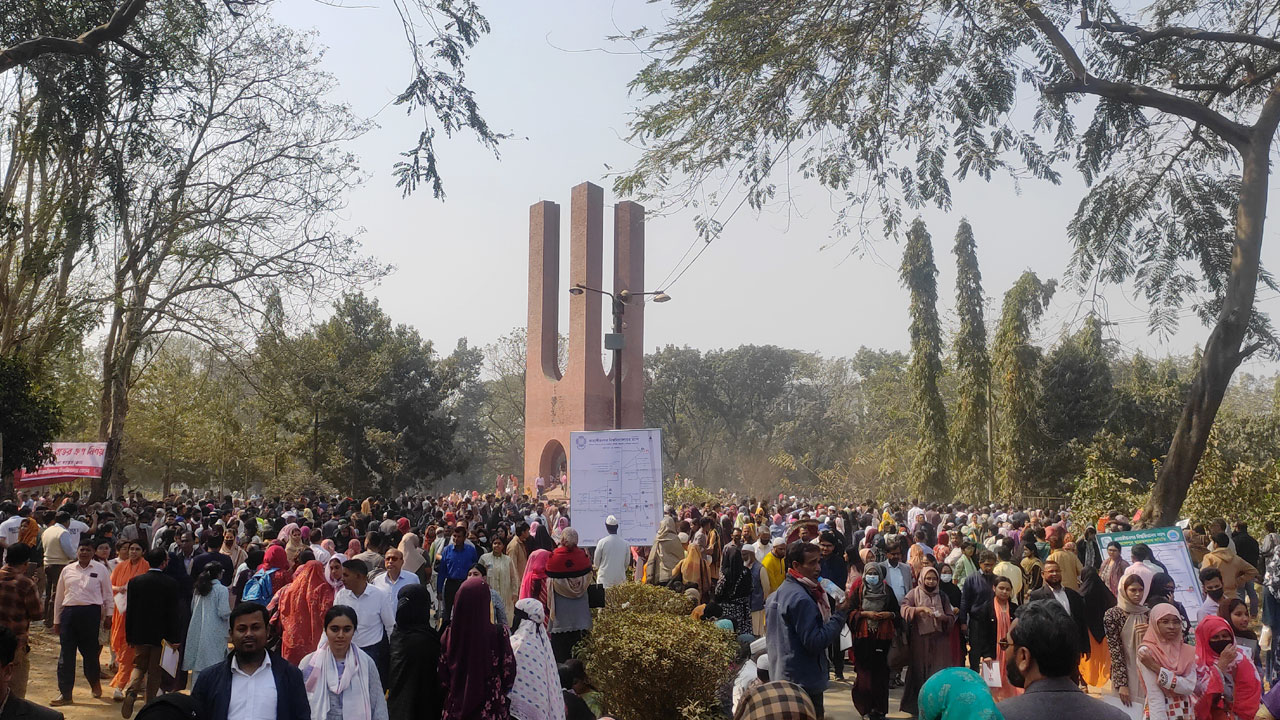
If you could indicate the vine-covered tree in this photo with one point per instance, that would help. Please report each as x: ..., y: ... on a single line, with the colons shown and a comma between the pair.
x: 1015, y: 358
x: 885, y: 102
x: 919, y: 274
x: 970, y: 424
x: 29, y: 419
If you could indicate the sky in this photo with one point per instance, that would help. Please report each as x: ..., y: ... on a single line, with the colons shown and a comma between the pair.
x: 461, y: 265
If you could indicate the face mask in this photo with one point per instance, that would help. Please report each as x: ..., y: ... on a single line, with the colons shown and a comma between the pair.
x: 1217, y: 646
x: 946, y: 577
x: 873, y: 579
x: 1215, y: 594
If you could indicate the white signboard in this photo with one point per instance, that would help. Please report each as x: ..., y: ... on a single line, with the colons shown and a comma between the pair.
x: 71, y: 461
x: 1170, y: 548
x: 619, y: 473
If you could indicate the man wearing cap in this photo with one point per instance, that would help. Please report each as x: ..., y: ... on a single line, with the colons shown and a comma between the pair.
x: 774, y: 567
x: 612, y: 556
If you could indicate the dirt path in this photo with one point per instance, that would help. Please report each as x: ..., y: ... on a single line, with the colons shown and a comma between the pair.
x: 43, y: 685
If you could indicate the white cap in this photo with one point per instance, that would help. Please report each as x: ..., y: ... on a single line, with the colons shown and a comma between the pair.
x: 757, y: 646
x: 611, y: 520
x: 777, y: 542
x: 763, y: 663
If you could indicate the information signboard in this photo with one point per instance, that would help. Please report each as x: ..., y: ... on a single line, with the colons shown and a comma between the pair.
x: 619, y: 473
x: 1169, y: 547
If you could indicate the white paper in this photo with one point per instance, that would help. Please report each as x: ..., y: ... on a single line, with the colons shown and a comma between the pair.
x: 991, y: 674
x: 169, y: 660
x: 122, y: 601
x: 846, y: 638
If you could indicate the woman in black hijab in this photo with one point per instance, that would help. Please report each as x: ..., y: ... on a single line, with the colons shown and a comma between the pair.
x: 1096, y: 669
x: 413, y: 686
x: 541, y: 540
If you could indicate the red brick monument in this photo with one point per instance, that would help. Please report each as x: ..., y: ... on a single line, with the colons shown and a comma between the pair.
x: 581, y: 396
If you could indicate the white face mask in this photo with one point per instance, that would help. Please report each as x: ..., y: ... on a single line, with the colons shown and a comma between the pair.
x: 946, y: 577
x: 873, y: 579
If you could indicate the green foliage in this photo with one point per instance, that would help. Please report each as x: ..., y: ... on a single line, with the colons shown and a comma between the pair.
x: 633, y: 651
x: 30, y: 418
x: 919, y: 274
x: 1015, y: 361
x: 675, y: 493
x: 1076, y: 400
x: 643, y: 598
x: 971, y: 464
x: 1101, y: 488
x: 1239, y: 475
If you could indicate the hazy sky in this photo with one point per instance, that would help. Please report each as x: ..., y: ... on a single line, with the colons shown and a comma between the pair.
x: 461, y: 264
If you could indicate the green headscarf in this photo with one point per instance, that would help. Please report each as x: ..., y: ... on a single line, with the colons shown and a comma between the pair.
x: 957, y: 694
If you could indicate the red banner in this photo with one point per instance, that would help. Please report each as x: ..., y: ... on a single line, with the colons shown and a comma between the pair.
x: 71, y: 461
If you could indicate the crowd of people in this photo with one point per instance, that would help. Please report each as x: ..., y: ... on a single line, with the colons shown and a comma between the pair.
x: 470, y: 606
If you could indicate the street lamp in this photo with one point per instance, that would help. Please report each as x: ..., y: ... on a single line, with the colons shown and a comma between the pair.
x: 614, y: 341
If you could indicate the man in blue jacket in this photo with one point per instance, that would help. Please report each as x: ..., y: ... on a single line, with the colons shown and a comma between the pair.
x: 252, y: 683
x: 800, y: 624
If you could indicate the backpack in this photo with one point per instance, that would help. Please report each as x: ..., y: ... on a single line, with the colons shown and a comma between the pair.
x: 258, y: 588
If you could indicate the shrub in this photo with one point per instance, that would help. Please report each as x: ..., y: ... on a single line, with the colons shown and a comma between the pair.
x: 1102, y: 488
x: 634, y: 597
x: 653, y: 665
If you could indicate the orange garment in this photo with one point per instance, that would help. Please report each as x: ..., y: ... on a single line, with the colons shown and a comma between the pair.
x: 125, y: 571
x: 1096, y: 667
x: 1003, y: 621
x: 302, y: 605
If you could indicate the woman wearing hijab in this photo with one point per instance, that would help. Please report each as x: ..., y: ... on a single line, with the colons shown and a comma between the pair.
x: 957, y: 694
x: 534, y: 583
x: 1232, y: 689
x: 1032, y: 570
x: 275, y: 559
x: 477, y: 667
x: 413, y: 683
x: 558, y: 530
x: 131, y: 565
x: 694, y: 572
x: 354, y: 548
x: 1095, y: 668
x: 540, y: 539
x: 1167, y: 666
x: 1125, y: 626
x: 291, y: 538
x: 1161, y: 590
x: 568, y: 609
x: 949, y: 588
x: 989, y: 623
x: 1113, y: 568
x: 962, y: 566
x: 943, y: 548
x: 536, y: 694
x: 1236, y: 612
x: 928, y: 615
x: 414, y: 560
x: 873, y: 618
x: 302, y: 606
x: 666, y: 554
x: 341, y: 681
x: 733, y: 592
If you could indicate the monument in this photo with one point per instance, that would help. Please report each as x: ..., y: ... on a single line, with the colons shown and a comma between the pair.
x: 579, y: 396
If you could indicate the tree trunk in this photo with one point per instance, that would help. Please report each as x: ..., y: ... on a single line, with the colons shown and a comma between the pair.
x: 1222, y: 352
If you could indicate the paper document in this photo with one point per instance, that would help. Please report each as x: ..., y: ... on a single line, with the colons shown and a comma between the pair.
x: 991, y: 673
x: 169, y: 660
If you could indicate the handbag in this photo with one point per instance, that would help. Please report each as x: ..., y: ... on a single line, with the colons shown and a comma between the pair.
x: 595, y: 595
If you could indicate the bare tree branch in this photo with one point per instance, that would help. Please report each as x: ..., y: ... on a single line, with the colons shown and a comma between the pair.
x: 87, y: 44
x: 1183, y: 33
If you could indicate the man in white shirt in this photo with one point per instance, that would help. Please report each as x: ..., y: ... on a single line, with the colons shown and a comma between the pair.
x: 375, y: 612
x: 10, y: 528
x: 613, y: 554
x: 252, y: 684
x: 394, y: 578
x: 82, y: 602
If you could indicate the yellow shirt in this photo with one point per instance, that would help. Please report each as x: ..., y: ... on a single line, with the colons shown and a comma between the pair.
x: 774, y: 566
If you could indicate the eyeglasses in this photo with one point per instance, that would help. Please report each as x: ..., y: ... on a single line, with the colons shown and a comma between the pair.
x: 1005, y: 644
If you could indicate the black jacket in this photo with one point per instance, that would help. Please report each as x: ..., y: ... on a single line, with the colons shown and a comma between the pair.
x: 1247, y: 549
x: 152, y: 610
x: 1077, y: 613
x: 983, y: 634
x: 213, y: 689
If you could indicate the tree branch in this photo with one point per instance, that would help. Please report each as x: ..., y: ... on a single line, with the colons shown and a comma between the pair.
x: 1173, y: 31
x: 87, y: 44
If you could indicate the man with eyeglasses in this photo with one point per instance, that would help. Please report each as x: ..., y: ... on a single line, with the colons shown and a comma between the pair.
x: 1041, y: 657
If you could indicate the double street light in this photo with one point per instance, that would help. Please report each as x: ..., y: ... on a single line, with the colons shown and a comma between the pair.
x: 614, y: 341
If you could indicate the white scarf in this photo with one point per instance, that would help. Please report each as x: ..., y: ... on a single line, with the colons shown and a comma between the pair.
x: 324, y: 679
x: 536, y: 694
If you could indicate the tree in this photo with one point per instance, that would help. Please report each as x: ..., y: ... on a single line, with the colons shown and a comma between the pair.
x: 1076, y: 400
x: 929, y: 463
x: 970, y: 427
x: 439, y: 33
x: 30, y: 420
x: 885, y: 101
x: 235, y: 181
x: 1015, y: 361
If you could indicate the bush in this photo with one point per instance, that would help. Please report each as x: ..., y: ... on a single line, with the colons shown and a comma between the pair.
x: 655, y: 665
x: 634, y: 598
x: 676, y: 494
x: 1102, y: 488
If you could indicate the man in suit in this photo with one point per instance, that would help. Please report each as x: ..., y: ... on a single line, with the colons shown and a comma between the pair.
x: 1042, y: 659
x: 151, y: 617
x: 258, y: 674
x: 1069, y: 599
x: 16, y: 708
x: 179, y: 567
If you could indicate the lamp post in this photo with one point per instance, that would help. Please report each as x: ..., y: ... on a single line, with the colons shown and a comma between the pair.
x: 614, y: 341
